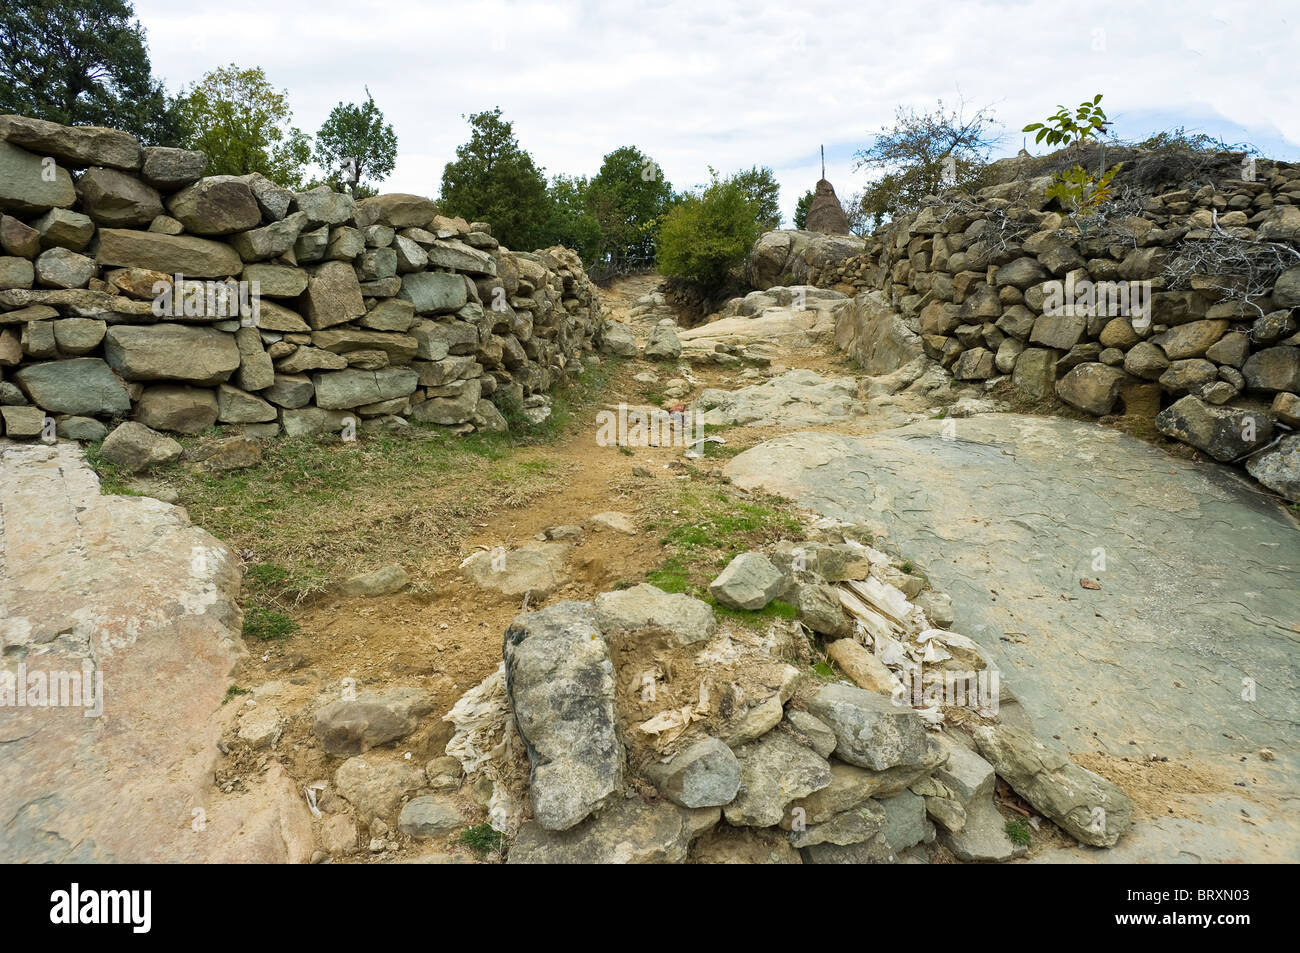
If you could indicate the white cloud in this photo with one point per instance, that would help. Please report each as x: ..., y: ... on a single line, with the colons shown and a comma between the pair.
x: 731, y: 85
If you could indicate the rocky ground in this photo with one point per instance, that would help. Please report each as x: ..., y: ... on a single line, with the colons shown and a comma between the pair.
x: 717, y: 716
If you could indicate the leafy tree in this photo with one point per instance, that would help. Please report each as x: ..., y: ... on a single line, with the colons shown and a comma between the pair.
x: 801, y: 210
x: 83, y: 63
x: 245, y: 125
x: 571, y: 223
x: 764, y: 193
x: 360, y: 134
x: 923, y: 154
x: 628, y: 198
x: 705, y: 236
x: 493, y: 180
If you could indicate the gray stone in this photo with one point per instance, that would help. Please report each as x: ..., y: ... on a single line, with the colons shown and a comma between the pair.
x: 1225, y: 433
x: 349, y: 727
x: 167, y: 168
x: 1278, y: 468
x: 905, y: 821
x: 84, y: 386
x: 60, y: 268
x: 820, y: 610
x: 427, y: 817
x: 16, y: 273
x: 1085, y: 805
x: 663, y: 344
x: 341, y: 390
x: 291, y: 391
x: 705, y: 774
x: 171, y: 352
x: 628, y: 831
x: 216, y: 205
x: 872, y: 731
x: 276, y: 239
x: 434, y: 292
x: 1092, y: 388
x: 324, y: 206
x: 333, y: 296
x: 77, y: 336
x: 117, y: 200
x: 561, y: 684
x: 643, y: 606
x: 235, y: 406
x: 62, y: 228
x: 775, y: 770
x: 177, y: 407
x: 750, y: 581
x: 77, y: 146
x: 1273, y: 369
x: 375, y: 783
x: 618, y: 339
x: 170, y: 254
x: 378, y: 582
x: 86, y: 429
x: 134, y: 447
x: 25, y: 188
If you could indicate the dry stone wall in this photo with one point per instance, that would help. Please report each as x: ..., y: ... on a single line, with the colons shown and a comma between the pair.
x: 1111, y: 319
x: 296, y: 313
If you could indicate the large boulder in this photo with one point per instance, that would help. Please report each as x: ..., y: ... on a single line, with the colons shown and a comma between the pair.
x: 134, y: 447
x: 775, y: 770
x: 1085, y: 805
x: 872, y: 731
x: 645, y: 607
x: 1278, y: 468
x: 561, y: 684
x: 434, y: 292
x: 178, y: 352
x: 333, y: 296
x: 875, y: 335
x: 216, y: 205
x: 170, y: 254
x: 785, y: 257
x: 749, y: 581
x: 1225, y: 433
x: 117, y: 200
x: 177, y: 407
x: 167, y: 168
x: 83, y: 386
x: 395, y: 209
x: 629, y: 831
x: 74, y: 146
x: 1093, y: 388
x: 25, y: 186
x: 705, y: 774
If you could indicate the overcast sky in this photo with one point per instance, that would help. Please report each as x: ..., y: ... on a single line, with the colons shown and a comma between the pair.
x: 701, y: 83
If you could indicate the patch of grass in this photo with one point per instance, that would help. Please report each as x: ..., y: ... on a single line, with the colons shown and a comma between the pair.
x: 759, y: 618
x: 482, y: 839
x: 703, y: 527
x: 1019, y: 833
x: 824, y: 671
x: 907, y: 567
x: 267, y: 625
x: 234, y: 691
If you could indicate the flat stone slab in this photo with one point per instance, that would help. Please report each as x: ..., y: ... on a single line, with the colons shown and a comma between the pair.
x: 139, y: 605
x: 799, y: 398
x: 1198, y: 600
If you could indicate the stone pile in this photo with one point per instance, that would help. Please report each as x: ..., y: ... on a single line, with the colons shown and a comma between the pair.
x: 375, y: 311
x: 796, y: 768
x: 972, y: 279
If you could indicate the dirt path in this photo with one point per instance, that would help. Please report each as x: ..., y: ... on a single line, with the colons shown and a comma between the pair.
x: 444, y: 634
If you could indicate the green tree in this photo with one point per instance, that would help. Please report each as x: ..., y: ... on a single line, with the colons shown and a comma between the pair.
x: 83, y: 63
x: 628, y: 198
x: 359, y: 134
x: 705, y: 236
x: 570, y: 222
x: 764, y: 193
x: 245, y: 125
x: 493, y: 180
x: 923, y: 154
x: 801, y: 210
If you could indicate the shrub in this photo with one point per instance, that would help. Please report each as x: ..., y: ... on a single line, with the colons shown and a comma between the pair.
x: 708, y: 235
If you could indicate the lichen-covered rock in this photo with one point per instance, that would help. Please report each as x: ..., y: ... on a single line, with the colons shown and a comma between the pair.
x: 561, y: 685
